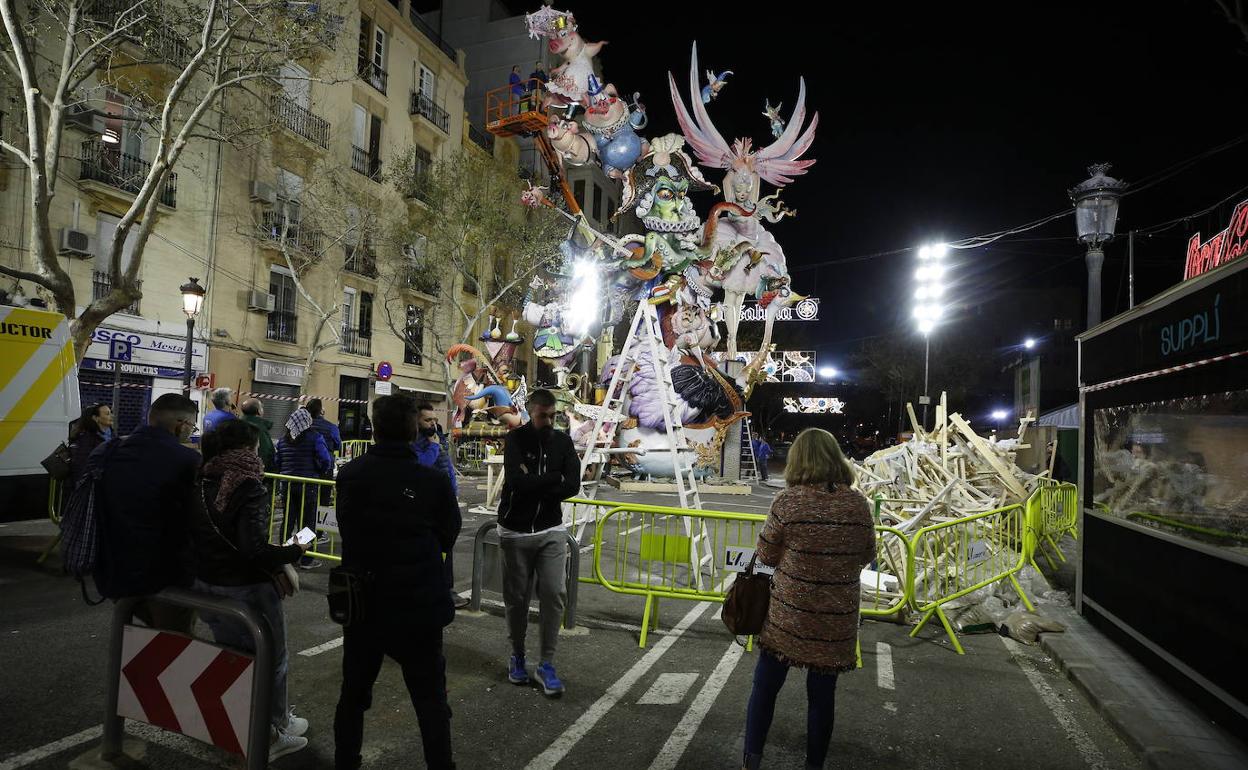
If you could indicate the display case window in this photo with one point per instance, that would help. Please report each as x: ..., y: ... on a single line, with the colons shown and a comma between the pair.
x: 1179, y: 466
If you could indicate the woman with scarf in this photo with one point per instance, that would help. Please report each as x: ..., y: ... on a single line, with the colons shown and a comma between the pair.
x: 235, y: 560
x: 302, y: 452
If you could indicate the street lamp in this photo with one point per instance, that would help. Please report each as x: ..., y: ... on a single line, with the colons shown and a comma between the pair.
x: 192, y: 302
x: 997, y: 416
x: 1029, y: 343
x: 1096, y: 213
x: 828, y: 372
x: 928, y: 308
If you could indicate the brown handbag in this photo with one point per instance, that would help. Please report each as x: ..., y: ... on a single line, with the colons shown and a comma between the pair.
x: 745, y: 606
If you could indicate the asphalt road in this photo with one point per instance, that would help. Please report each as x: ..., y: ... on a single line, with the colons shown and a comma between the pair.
x: 679, y: 703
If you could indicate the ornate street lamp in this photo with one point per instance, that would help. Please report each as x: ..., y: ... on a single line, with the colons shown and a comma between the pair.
x: 192, y: 303
x: 1096, y: 213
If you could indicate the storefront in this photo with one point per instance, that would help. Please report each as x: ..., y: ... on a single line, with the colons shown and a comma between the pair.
x: 155, y: 368
x: 276, y: 384
x: 1164, y: 480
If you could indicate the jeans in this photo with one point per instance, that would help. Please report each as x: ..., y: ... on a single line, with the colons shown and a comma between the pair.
x: 230, y: 632
x: 545, y: 556
x: 418, y: 651
x: 769, y: 676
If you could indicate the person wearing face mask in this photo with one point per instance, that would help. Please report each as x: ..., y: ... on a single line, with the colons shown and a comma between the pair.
x: 541, y: 470
x: 431, y: 452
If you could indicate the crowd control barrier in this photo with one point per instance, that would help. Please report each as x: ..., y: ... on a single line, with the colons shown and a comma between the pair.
x: 886, y: 586
x: 487, y: 571
x: 954, y: 558
x: 1053, y: 511
x: 163, y: 678
x: 354, y: 448
x: 307, y: 503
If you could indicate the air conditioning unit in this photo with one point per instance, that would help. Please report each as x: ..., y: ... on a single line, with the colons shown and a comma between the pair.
x: 263, y: 193
x: 262, y: 301
x: 76, y: 243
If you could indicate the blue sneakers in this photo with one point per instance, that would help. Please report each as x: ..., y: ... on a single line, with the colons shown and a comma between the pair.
x: 516, y: 673
x: 550, y: 681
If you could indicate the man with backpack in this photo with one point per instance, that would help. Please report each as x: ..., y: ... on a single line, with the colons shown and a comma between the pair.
x: 144, y: 498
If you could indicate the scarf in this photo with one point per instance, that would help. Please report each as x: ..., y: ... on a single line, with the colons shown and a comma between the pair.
x: 300, y: 420
x: 234, y: 467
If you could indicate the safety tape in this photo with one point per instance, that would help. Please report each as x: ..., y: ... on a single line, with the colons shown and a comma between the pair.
x: 1160, y: 372
x: 99, y: 384
x: 271, y: 397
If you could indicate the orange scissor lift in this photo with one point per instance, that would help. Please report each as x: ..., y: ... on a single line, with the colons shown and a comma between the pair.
x: 509, y: 115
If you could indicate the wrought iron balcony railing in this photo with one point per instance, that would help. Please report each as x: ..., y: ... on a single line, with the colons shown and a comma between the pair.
x: 299, y: 120
x: 283, y: 326
x: 355, y: 343
x: 422, y: 105
x: 105, y: 162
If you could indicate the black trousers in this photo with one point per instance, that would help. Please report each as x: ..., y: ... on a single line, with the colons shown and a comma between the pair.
x: 418, y: 651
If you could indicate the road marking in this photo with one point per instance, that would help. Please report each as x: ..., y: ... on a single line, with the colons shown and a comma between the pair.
x: 570, y: 737
x: 56, y: 747
x: 668, y: 689
x: 318, y: 649
x: 890, y: 707
x: 669, y: 756
x: 637, y: 528
x: 1091, y: 754
x: 884, y: 662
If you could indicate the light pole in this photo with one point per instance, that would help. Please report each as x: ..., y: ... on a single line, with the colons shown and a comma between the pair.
x: 997, y: 416
x: 192, y: 301
x: 1096, y: 213
x: 928, y: 308
x: 828, y: 372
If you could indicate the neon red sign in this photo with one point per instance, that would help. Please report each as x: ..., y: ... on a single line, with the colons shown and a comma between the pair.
x: 1231, y: 243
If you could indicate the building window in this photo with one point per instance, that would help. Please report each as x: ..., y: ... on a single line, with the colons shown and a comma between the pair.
x: 282, y: 320
x: 366, y: 314
x: 578, y: 192
x: 597, y: 203
x: 414, y: 339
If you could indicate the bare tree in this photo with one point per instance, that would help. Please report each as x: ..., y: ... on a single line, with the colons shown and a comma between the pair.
x: 467, y: 222
x: 64, y: 53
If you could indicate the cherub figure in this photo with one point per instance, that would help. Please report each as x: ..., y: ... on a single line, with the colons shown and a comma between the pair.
x: 773, y: 114
x: 714, y: 84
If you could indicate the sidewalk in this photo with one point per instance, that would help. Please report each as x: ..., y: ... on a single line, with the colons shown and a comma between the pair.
x: 1151, y: 717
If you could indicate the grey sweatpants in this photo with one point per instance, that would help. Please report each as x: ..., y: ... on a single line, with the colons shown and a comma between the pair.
x: 546, y: 557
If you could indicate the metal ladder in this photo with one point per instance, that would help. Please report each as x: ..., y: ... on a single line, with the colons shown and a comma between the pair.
x: 749, y: 467
x: 645, y: 326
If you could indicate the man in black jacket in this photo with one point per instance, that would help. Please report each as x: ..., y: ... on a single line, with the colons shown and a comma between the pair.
x: 541, y: 471
x: 396, y: 518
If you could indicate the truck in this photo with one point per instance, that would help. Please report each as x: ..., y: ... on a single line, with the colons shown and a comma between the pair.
x: 38, y: 400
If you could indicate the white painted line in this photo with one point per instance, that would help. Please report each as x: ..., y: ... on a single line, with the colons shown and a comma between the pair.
x: 884, y: 662
x: 570, y: 737
x: 318, y: 649
x: 668, y: 689
x: 637, y: 528
x: 890, y: 707
x: 56, y: 747
x: 1074, y: 731
x: 669, y: 756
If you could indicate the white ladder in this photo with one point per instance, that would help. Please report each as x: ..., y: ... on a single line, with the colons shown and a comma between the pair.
x: 749, y: 468
x: 645, y: 324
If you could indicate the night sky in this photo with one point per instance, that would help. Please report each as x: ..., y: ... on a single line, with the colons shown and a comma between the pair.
x: 954, y: 120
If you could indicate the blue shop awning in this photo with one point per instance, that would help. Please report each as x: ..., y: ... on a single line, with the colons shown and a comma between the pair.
x: 1062, y: 417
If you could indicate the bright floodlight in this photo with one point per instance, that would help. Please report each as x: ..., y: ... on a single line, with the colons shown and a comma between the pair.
x: 921, y: 274
x: 938, y: 251
x: 935, y: 290
x: 926, y: 326
x: 925, y: 252
x: 827, y: 372
x: 920, y: 293
x: 999, y: 414
x: 935, y: 272
x: 1029, y: 343
x: 584, y: 297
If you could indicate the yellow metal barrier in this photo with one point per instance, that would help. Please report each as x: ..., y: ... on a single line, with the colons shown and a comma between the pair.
x: 298, y: 497
x: 56, y: 490
x: 354, y: 448
x: 954, y: 558
x: 887, y: 585
x: 1052, y: 510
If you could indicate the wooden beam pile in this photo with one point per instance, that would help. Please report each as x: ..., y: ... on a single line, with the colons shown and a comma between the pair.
x: 946, y: 473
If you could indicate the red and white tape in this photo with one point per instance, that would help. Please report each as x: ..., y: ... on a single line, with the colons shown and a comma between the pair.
x: 1160, y: 372
x: 271, y: 397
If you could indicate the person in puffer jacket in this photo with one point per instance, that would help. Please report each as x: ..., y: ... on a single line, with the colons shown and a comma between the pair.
x: 302, y: 452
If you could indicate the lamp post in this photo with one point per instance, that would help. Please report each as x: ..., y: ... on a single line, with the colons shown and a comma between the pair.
x: 828, y: 372
x: 192, y: 302
x: 1096, y: 213
x: 997, y: 416
x: 928, y: 308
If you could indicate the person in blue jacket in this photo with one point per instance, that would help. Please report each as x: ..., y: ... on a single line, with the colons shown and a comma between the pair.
x: 333, y: 442
x: 302, y: 452
x: 431, y: 452
x: 224, y: 409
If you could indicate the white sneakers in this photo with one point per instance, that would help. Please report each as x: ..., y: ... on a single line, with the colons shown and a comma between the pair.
x: 288, y: 739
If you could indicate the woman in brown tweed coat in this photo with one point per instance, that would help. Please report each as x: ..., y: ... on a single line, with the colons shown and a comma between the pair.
x: 818, y: 536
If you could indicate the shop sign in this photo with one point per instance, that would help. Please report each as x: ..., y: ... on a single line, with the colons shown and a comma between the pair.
x: 1231, y: 243
x: 206, y: 381
x: 145, y: 348
x: 143, y: 370
x: 279, y: 372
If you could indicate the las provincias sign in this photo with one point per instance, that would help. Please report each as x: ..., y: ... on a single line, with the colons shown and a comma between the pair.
x: 1231, y: 243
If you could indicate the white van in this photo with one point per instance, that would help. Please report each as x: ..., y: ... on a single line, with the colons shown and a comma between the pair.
x: 38, y: 399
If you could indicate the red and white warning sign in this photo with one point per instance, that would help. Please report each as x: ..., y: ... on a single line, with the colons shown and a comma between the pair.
x: 186, y: 686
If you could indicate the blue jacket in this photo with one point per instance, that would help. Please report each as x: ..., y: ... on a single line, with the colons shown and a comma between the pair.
x: 329, y: 432
x: 307, y: 457
x: 214, y: 418
x: 148, y: 493
x: 762, y: 450
x: 434, y: 456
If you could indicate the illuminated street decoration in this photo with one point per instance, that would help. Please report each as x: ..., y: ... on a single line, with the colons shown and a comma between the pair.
x: 780, y: 365
x: 814, y: 405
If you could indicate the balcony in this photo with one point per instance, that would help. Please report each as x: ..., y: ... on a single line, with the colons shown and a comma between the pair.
x: 107, y: 164
x: 374, y: 75
x: 102, y: 284
x: 423, y: 106
x: 481, y: 138
x: 423, y: 281
x: 364, y: 163
x: 361, y: 260
x: 299, y: 120
x: 307, y: 239
x: 428, y: 31
x: 355, y: 343
x: 282, y: 327
x: 154, y: 40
